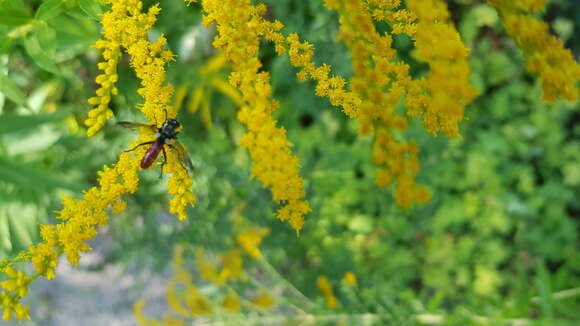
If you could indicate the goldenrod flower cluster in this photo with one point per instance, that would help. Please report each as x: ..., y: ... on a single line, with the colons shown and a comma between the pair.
x: 380, y: 80
x: 545, y: 54
x: 301, y: 55
x: 441, y: 96
x: 126, y: 27
x: 14, y: 289
x: 123, y: 26
x: 402, y: 21
x: 80, y: 219
x: 379, y: 83
x: 240, y: 27
x: 187, y: 300
x: 250, y: 239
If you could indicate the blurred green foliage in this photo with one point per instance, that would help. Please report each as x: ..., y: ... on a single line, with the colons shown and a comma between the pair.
x: 499, y: 236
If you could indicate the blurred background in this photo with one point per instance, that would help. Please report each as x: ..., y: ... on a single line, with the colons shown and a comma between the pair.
x: 498, y: 239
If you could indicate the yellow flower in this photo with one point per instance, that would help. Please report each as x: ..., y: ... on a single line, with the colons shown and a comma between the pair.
x: 231, y: 303
x: 324, y: 286
x: 545, y: 55
x: 350, y: 279
x: 380, y: 80
x: 232, y: 265
x: 125, y: 27
x: 443, y: 94
x: 263, y: 300
x: 249, y: 240
x: 240, y: 27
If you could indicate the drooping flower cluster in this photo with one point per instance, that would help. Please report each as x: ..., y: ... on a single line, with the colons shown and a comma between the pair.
x: 545, y: 54
x: 240, y: 27
x: 125, y: 27
x: 380, y: 80
x: 442, y: 95
x: 188, y: 301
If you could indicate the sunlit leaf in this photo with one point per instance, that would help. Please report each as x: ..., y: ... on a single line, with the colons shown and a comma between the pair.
x: 41, y: 58
x: 49, y: 9
x: 11, y: 90
x: 19, y: 123
x: 25, y: 176
x: 91, y: 8
x: 47, y: 39
x: 13, y: 18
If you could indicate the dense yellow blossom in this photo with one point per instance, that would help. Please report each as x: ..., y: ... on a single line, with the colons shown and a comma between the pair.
x: 325, y: 287
x: 332, y: 87
x: 442, y: 95
x: 126, y: 27
x: 380, y: 80
x: 545, y: 54
x: 240, y: 26
x: 401, y: 20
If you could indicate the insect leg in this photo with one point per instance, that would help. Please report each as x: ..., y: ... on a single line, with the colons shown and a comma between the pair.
x: 134, y: 148
x: 164, y: 161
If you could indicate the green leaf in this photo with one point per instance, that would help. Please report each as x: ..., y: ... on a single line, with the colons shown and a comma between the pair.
x: 41, y: 58
x: 47, y: 39
x: 91, y: 8
x: 22, y: 218
x: 13, y: 18
x: 30, y: 178
x: 544, y: 286
x: 19, y: 123
x: 5, y: 238
x: 5, y: 44
x: 49, y: 9
x: 11, y: 90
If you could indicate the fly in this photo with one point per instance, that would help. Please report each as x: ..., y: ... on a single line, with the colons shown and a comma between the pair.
x: 167, y: 132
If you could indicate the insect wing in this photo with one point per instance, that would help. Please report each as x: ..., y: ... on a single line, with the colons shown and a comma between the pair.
x: 183, y: 156
x: 136, y: 126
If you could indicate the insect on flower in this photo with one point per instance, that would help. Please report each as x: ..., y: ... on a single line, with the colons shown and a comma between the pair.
x: 166, y: 135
